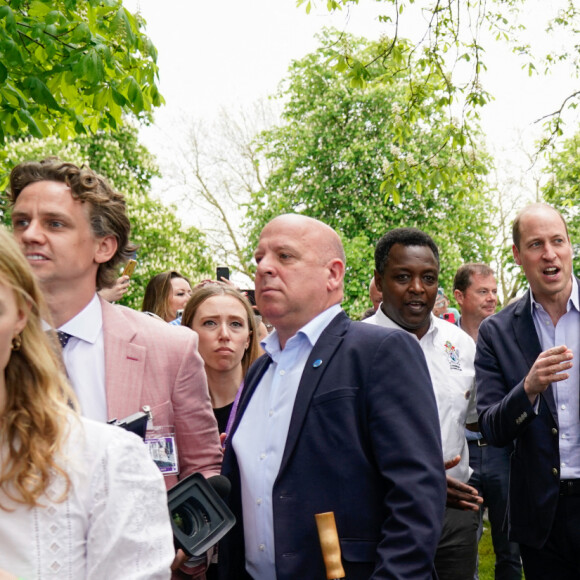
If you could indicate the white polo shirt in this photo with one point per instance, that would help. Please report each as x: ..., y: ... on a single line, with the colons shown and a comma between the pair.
x: 450, y: 354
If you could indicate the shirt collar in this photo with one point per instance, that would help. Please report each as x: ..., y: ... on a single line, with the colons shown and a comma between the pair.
x: 87, y: 324
x: 384, y: 320
x: 573, y: 301
x: 311, y: 331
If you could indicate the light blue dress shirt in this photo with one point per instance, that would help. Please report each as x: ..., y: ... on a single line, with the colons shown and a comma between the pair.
x: 260, y: 439
x: 567, y: 332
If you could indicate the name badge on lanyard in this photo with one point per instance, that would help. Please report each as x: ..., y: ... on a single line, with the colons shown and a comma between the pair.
x: 162, y: 447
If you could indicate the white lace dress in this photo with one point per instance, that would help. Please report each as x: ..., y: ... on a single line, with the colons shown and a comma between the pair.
x: 114, y: 523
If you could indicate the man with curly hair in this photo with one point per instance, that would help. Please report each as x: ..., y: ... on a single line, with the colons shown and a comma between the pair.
x: 74, y: 231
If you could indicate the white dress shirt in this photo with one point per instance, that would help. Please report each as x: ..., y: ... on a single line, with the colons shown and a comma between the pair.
x: 450, y: 354
x: 84, y: 359
x: 260, y: 439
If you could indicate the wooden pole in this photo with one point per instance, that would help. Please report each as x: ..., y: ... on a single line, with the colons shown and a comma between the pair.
x: 330, y: 545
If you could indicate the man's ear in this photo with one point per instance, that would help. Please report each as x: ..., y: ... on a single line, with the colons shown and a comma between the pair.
x: 458, y: 297
x: 335, y: 273
x: 516, y: 254
x: 106, y: 248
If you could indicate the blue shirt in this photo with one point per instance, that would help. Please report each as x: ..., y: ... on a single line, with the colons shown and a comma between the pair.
x: 565, y: 332
x: 260, y: 438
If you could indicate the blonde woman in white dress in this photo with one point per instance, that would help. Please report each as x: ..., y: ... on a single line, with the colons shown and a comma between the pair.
x: 78, y: 499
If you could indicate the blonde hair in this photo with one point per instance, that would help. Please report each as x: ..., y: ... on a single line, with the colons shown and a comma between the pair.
x: 209, y: 289
x: 34, y: 420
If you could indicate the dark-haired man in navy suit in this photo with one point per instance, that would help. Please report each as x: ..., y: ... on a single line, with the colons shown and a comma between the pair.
x: 528, y: 392
x: 337, y: 416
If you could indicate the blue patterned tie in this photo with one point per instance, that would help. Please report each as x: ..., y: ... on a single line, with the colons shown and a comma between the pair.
x: 63, y: 337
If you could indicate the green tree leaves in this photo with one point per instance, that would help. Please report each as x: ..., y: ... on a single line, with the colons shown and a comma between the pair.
x: 363, y: 161
x: 72, y: 66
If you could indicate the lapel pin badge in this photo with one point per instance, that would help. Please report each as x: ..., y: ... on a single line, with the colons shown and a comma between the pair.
x: 316, y: 363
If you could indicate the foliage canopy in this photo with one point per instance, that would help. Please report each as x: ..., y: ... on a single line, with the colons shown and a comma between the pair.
x: 363, y: 162
x: 454, y: 35
x: 72, y: 66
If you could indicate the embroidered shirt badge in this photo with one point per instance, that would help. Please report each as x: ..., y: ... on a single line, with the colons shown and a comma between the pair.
x: 452, y: 356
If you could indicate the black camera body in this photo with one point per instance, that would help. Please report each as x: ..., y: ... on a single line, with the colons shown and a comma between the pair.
x: 136, y: 423
x: 199, y: 516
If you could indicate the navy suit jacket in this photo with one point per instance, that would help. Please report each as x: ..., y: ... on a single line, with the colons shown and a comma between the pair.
x: 364, y: 442
x: 507, y: 347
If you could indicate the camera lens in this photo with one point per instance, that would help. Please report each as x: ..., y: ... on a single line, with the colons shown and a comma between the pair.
x: 190, y: 517
x: 184, y: 519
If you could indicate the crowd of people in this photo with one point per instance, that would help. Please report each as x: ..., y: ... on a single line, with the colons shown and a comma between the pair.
x: 405, y: 426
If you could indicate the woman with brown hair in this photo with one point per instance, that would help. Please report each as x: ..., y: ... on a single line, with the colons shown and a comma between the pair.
x: 78, y: 499
x: 228, y: 342
x: 166, y: 295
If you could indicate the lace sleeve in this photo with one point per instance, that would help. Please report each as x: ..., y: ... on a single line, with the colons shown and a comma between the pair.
x: 129, y: 532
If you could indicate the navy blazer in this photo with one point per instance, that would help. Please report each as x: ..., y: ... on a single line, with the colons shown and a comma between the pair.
x: 507, y: 347
x: 364, y: 442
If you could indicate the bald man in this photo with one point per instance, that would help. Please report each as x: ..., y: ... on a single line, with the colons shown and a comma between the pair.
x: 328, y: 422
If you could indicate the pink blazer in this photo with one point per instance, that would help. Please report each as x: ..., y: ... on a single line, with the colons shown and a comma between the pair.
x: 149, y: 362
